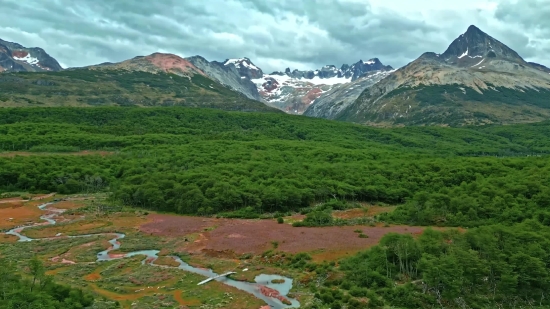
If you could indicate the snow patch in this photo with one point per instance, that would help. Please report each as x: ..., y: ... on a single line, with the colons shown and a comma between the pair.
x: 28, y: 59
x: 241, y: 61
x: 464, y: 54
x: 368, y: 62
x: 475, y: 65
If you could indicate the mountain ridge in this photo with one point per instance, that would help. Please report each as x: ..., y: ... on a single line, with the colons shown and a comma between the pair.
x: 294, y: 91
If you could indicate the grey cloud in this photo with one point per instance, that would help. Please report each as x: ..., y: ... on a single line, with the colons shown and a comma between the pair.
x: 273, y: 33
x: 531, y: 14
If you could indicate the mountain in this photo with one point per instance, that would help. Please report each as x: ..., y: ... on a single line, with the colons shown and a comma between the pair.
x: 332, y: 102
x: 154, y: 80
x: 17, y: 58
x: 294, y: 91
x: 228, y: 74
x: 477, y: 80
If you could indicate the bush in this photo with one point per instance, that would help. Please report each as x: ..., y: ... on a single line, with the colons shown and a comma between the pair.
x: 280, y: 220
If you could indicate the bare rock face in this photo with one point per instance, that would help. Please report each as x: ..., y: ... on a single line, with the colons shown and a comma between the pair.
x: 235, y: 75
x: 17, y: 58
x: 477, y: 80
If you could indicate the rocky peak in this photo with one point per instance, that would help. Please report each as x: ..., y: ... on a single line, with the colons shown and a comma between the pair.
x: 475, y: 44
x: 17, y: 58
x: 245, y: 67
x: 361, y: 67
x: 346, y: 72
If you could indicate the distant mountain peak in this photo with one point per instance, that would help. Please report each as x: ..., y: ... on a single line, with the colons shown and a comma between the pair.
x: 475, y: 44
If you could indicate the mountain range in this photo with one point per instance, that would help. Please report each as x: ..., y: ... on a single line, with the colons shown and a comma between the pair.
x: 477, y: 80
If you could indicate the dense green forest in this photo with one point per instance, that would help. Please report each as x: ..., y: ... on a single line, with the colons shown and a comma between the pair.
x: 35, y: 289
x: 200, y: 161
x: 487, y: 267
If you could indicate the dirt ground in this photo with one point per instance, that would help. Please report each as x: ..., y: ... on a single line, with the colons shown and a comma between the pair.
x: 256, y: 236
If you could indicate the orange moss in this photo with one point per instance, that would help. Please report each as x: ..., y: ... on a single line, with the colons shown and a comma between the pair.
x: 92, y: 277
x: 8, y: 239
x: 19, y: 215
x: 179, y: 298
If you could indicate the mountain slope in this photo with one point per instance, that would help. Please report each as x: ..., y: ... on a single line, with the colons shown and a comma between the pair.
x: 230, y: 74
x: 154, y: 80
x: 294, y: 91
x: 331, y: 103
x: 477, y: 80
x: 17, y: 58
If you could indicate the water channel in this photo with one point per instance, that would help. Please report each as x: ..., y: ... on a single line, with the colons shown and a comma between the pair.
x: 262, y: 280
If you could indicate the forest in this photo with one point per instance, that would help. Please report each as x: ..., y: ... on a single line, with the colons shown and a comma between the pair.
x: 35, y: 289
x: 493, y: 266
x: 201, y: 161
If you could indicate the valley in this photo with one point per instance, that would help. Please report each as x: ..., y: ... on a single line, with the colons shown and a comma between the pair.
x: 76, y: 233
x: 321, y: 213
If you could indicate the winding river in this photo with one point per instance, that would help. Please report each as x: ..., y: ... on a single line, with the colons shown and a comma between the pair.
x: 262, y: 281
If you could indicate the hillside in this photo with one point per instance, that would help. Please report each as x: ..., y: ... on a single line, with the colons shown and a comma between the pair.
x: 155, y: 80
x: 477, y: 80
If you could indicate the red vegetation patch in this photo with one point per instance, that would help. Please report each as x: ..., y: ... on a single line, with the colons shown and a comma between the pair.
x: 269, y: 292
x: 19, y: 53
x: 311, y: 95
x: 256, y: 236
x: 170, y: 225
x: 169, y: 62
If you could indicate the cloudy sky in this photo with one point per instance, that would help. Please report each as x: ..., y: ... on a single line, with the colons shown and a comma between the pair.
x: 274, y: 34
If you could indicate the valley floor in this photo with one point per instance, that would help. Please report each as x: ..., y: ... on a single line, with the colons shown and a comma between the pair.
x: 248, y: 247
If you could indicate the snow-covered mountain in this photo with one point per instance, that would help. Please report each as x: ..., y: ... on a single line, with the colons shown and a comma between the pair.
x: 17, y: 58
x: 245, y: 67
x: 293, y: 91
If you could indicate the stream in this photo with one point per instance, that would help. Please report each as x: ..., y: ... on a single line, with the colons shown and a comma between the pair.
x: 262, y: 281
